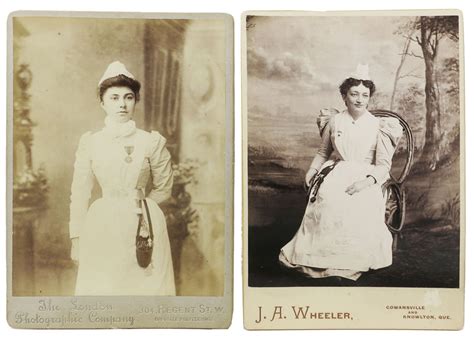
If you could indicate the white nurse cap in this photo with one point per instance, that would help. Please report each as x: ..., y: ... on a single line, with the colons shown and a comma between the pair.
x: 361, y: 72
x: 114, y: 69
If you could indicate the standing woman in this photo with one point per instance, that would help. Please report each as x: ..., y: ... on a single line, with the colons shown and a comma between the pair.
x: 122, y: 158
x: 343, y: 232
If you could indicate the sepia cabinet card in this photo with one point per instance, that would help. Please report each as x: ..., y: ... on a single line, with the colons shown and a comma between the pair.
x: 120, y: 170
x: 353, y: 170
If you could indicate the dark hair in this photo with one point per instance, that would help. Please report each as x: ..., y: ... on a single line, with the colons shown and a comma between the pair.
x: 351, y: 82
x: 120, y: 81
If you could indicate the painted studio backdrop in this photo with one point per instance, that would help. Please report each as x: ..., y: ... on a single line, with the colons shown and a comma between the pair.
x: 57, y: 64
x: 295, y: 65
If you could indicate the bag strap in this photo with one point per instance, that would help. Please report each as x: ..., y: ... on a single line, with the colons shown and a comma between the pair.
x: 142, y: 200
x: 150, y: 226
x: 318, y: 180
x: 148, y: 219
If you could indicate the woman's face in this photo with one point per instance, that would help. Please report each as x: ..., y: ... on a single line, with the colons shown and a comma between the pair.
x: 119, y: 103
x: 357, y: 98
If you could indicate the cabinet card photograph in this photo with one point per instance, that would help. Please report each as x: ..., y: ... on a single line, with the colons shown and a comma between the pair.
x: 120, y: 170
x: 353, y: 170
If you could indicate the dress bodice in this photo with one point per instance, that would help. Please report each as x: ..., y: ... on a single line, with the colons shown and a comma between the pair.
x: 355, y: 140
x: 114, y: 168
x: 367, y: 140
x: 118, y: 173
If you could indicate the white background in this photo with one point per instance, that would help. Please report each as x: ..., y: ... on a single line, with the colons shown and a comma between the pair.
x: 235, y: 8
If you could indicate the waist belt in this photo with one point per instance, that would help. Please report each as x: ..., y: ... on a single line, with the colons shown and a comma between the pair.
x: 121, y: 193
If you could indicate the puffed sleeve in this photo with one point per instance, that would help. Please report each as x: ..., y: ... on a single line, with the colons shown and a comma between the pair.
x: 325, y: 149
x: 390, y: 132
x: 324, y: 117
x: 82, y: 182
x: 162, y: 173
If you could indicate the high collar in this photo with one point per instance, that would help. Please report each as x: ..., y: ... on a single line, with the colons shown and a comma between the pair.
x: 118, y: 129
x: 361, y: 117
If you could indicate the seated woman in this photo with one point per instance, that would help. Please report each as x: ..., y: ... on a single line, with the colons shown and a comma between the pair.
x: 343, y: 232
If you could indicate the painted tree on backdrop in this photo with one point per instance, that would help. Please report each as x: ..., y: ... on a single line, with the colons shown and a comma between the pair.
x: 427, y: 32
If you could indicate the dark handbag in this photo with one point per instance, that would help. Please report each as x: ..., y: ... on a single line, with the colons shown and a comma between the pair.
x: 317, y: 180
x: 144, y: 238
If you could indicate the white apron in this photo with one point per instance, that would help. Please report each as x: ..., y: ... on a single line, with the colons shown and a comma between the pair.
x: 342, y: 234
x: 107, y: 229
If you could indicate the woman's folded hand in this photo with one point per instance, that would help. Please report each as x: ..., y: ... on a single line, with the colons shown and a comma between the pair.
x: 359, y: 185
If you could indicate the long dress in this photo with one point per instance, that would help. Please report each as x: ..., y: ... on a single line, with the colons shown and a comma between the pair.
x: 341, y: 234
x: 107, y: 228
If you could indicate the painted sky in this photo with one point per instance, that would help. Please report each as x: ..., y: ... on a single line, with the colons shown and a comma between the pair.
x: 299, y: 62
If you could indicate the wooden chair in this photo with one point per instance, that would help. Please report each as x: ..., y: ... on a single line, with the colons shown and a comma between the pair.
x: 393, y: 189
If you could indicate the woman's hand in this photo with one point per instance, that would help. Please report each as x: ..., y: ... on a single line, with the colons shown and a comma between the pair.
x: 359, y: 185
x: 311, y: 172
x: 75, y: 249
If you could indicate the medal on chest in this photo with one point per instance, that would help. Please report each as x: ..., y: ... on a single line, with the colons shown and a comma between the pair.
x: 129, y: 150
